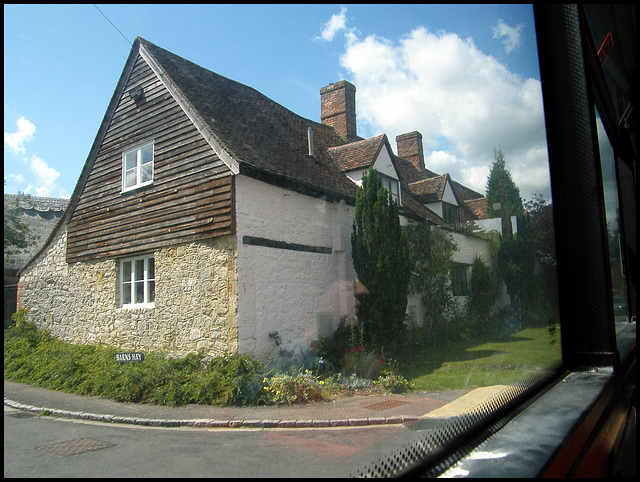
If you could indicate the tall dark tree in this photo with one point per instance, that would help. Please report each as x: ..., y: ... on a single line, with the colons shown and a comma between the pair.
x: 484, y: 291
x: 381, y: 260
x: 503, y: 195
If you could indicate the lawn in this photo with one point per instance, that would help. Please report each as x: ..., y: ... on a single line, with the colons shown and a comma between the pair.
x: 484, y: 361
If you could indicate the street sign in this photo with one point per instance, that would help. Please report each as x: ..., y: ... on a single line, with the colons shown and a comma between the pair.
x: 129, y: 357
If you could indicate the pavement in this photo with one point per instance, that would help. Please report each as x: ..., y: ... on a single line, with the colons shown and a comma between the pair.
x: 353, y: 410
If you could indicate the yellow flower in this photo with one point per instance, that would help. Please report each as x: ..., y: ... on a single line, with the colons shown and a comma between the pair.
x: 321, y: 382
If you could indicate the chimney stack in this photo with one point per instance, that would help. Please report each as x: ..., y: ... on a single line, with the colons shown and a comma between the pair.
x: 338, y: 108
x: 410, y: 148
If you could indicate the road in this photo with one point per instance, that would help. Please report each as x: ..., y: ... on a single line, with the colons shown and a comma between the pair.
x: 41, y: 446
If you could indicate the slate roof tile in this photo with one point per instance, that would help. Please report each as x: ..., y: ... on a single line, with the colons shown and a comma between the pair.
x: 257, y: 132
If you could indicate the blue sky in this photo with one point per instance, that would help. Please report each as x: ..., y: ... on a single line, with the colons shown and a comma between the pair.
x: 466, y: 77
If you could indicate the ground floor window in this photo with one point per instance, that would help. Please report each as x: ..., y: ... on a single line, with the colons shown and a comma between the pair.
x: 137, y: 282
x: 459, y: 280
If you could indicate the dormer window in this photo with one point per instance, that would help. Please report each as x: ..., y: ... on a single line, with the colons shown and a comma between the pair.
x: 392, y: 186
x: 451, y: 214
x: 137, y: 167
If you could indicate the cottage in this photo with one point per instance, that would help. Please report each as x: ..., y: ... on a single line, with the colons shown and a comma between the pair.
x: 39, y: 215
x: 209, y: 217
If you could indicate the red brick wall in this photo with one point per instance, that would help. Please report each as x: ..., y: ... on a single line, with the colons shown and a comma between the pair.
x: 338, y: 108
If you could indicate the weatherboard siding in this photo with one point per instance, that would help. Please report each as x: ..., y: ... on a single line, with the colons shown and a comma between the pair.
x: 192, y: 191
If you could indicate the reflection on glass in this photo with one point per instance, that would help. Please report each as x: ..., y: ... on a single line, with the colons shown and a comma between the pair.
x: 612, y: 212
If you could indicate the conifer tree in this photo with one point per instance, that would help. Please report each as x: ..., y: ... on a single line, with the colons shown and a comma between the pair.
x: 381, y: 260
x: 503, y: 195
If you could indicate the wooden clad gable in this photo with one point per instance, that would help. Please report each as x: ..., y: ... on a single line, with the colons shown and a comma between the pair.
x: 192, y: 190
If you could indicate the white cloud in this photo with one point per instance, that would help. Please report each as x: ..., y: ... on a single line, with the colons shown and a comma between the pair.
x: 15, y: 141
x: 336, y: 24
x: 463, y: 101
x: 510, y: 35
x: 17, y: 178
x: 45, y: 177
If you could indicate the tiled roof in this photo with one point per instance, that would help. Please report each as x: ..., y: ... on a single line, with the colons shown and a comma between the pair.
x: 40, y: 214
x: 41, y: 204
x: 358, y: 154
x: 266, y: 138
x: 258, y: 133
x: 478, y: 207
x: 409, y: 202
x: 429, y: 190
x: 409, y: 172
x: 463, y: 192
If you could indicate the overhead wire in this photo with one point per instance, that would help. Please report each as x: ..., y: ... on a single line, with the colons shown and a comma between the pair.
x: 123, y: 36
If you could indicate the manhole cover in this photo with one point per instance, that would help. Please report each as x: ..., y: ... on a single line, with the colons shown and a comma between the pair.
x: 387, y: 405
x: 22, y: 415
x: 73, y: 447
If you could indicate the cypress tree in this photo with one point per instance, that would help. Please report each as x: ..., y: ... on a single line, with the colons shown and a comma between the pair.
x: 502, y: 191
x: 381, y: 259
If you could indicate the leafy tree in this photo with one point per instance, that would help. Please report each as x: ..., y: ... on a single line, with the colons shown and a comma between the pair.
x: 503, y: 195
x: 540, y: 222
x: 16, y: 233
x: 381, y: 260
x: 431, y: 257
x: 543, y: 293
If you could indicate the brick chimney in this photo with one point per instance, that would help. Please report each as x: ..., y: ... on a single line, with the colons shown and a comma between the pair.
x: 410, y: 148
x: 338, y: 108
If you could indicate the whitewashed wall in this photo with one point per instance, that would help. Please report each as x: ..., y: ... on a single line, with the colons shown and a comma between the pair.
x: 297, y: 294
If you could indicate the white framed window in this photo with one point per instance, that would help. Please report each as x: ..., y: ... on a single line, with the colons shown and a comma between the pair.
x: 392, y: 186
x: 137, y: 282
x: 137, y: 167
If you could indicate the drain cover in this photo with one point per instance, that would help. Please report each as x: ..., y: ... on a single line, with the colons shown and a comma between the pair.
x: 22, y: 415
x: 387, y: 405
x: 73, y: 447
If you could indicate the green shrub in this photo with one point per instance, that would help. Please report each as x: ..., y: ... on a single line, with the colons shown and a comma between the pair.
x: 333, y: 347
x: 34, y: 357
x: 303, y: 387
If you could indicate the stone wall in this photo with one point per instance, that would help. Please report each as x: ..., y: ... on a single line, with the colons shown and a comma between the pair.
x: 195, y: 306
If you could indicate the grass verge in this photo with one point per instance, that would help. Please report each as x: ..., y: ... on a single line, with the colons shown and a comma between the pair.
x: 483, y: 361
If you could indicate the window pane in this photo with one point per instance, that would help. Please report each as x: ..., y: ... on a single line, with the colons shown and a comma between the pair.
x: 130, y: 160
x: 139, y: 292
x: 139, y: 269
x: 130, y: 178
x: 151, y: 291
x: 126, y: 271
x: 146, y: 173
x: 612, y: 213
x: 151, y: 274
x: 147, y: 154
x: 126, y: 293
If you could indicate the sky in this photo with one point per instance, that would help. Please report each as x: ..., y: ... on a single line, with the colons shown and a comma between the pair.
x: 465, y: 76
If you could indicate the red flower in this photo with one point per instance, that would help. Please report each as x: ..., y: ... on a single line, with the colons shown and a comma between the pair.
x: 352, y: 350
x: 360, y: 348
x: 381, y: 360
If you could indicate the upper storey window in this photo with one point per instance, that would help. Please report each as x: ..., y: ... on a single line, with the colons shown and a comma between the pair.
x: 391, y: 185
x: 137, y: 167
x: 451, y: 214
